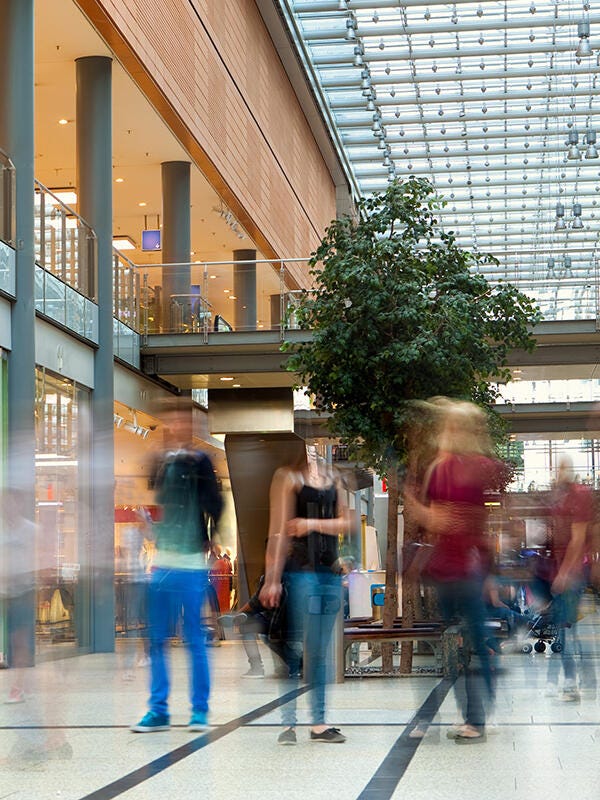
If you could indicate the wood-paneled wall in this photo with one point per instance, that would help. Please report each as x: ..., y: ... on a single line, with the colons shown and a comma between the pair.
x: 212, y: 71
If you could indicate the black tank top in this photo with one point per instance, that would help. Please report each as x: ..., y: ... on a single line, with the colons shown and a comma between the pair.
x: 317, y: 551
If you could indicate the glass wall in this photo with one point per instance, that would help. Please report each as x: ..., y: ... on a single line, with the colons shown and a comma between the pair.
x: 62, y: 417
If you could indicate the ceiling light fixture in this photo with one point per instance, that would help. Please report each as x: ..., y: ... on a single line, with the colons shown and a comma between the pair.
x: 67, y: 196
x: 573, y: 153
x: 577, y: 223
x: 584, y: 48
x: 123, y: 243
x: 590, y: 137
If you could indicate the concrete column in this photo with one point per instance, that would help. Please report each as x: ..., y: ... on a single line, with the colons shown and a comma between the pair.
x: 244, y: 290
x: 16, y: 138
x: 176, y: 239
x: 94, y: 186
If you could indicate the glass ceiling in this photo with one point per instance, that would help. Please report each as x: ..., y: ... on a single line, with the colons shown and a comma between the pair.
x: 494, y: 102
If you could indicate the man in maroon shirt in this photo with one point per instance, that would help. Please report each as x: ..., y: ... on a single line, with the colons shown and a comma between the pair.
x: 572, y: 512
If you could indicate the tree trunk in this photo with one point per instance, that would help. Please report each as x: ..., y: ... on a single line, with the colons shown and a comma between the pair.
x: 411, y: 600
x: 390, y: 606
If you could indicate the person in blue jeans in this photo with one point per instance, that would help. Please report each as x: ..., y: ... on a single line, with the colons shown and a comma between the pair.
x: 307, y: 517
x: 187, y: 490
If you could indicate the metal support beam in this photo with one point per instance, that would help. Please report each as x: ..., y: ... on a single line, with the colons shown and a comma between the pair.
x: 344, y: 55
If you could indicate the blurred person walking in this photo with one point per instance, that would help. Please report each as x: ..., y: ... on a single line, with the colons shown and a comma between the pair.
x: 307, y: 517
x: 453, y: 514
x: 572, y: 512
x: 187, y: 490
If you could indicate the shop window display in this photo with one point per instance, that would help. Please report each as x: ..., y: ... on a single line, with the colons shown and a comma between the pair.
x: 62, y: 508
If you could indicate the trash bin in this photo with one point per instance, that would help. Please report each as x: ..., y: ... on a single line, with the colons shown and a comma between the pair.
x: 377, y: 599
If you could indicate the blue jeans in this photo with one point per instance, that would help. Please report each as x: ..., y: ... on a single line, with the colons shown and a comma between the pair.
x: 463, y: 599
x: 314, y: 601
x: 170, y: 591
x: 565, y: 608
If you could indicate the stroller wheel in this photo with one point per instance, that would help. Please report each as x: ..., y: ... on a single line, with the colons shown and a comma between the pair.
x: 526, y: 648
x: 539, y: 646
x: 556, y: 647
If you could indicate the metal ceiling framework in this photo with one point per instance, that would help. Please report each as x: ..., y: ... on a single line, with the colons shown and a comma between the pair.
x: 484, y: 99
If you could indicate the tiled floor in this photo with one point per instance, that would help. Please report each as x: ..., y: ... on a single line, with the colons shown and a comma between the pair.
x: 78, y: 710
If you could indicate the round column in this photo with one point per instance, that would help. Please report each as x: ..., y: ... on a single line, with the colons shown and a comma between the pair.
x: 244, y: 290
x: 16, y: 139
x: 94, y: 187
x: 176, y: 238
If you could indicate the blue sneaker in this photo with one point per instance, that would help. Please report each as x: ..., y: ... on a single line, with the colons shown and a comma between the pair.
x: 198, y: 721
x: 152, y: 722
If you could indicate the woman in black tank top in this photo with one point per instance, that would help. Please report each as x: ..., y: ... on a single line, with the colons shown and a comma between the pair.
x: 308, y: 516
x: 315, y: 552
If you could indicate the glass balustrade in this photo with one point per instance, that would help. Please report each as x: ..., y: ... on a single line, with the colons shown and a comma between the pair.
x: 126, y: 343
x: 126, y: 290
x: 223, y: 296
x: 65, y: 305
x: 65, y: 245
x: 7, y: 224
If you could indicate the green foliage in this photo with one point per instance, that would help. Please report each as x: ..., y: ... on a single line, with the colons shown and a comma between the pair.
x: 400, y: 314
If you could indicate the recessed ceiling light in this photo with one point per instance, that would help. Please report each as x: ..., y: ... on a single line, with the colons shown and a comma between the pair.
x: 141, y: 205
x: 119, y: 180
x: 226, y: 291
x: 63, y: 121
x: 225, y: 378
x: 232, y: 297
x: 236, y: 385
x: 212, y: 276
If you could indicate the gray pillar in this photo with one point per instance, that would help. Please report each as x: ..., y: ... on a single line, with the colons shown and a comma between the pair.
x: 176, y: 242
x: 94, y: 185
x: 16, y: 138
x: 244, y: 290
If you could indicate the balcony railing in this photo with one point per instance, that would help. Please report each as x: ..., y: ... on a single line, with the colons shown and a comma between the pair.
x: 65, y: 245
x: 61, y: 302
x: 210, y: 303
x: 7, y: 224
x: 126, y: 291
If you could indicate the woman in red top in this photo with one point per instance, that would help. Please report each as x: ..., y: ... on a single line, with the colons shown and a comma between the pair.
x: 454, y: 518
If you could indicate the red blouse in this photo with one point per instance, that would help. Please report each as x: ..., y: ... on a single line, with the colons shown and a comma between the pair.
x: 460, y: 483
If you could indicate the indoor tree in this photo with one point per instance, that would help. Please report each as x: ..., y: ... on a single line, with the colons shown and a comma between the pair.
x: 399, y: 313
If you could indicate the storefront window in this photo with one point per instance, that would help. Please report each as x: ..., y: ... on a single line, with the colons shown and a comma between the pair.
x: 62, y: 509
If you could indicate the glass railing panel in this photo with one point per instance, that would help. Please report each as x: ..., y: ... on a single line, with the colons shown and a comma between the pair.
x: 126, y: 343
x: 126, y: 291
x: 54, y: 299
x: 65, y: 245
x: 223, y: 297
x: 75, y: 312
x: 7, y: 200
x: 91, y: 320
x: 7, y: 268
x: 62, y: 303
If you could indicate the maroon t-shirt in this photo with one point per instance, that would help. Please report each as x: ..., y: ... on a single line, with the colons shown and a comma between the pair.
x: 572, y: 503
x: 460, y: 483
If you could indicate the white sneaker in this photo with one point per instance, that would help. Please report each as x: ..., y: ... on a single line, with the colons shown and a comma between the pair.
x: 551, y: 690
x: 143, y: 661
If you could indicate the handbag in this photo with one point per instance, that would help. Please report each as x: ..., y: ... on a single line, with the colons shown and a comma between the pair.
x: 278, y: 622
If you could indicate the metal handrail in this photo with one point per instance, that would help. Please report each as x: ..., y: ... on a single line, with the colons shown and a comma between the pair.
x: 82, y: 263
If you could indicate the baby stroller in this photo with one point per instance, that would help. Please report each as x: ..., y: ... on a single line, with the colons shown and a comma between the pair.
x: 541, y: 632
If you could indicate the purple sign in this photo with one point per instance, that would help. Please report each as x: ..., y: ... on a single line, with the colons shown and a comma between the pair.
x: 151, y: 240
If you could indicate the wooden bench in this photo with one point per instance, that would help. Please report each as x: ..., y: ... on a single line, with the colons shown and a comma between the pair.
x: 444, y: 642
